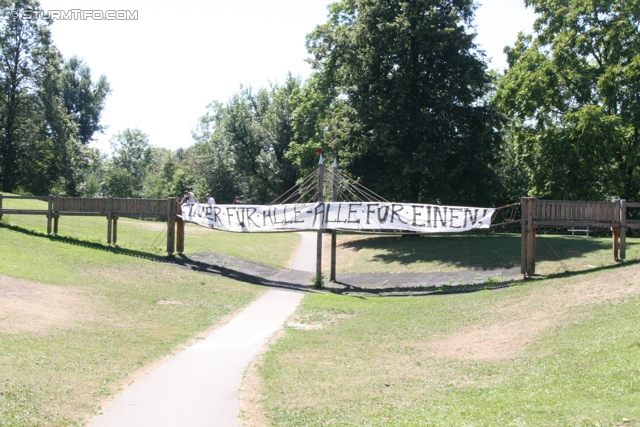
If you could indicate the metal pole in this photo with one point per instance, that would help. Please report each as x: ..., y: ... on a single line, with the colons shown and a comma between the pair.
x: 334, y: 198
x: 320, y: 230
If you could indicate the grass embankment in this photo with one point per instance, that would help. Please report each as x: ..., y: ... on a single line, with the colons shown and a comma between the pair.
x: 470, y: 251
x: 561, y: 352
x: 78, y: 320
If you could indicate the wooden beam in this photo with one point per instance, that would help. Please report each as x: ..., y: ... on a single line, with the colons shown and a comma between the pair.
x: 531, y: 239
x: 43, y: 198
x: 623, y: 229
x: 115, y: 230
x: 180, y: 235
x: 109, y: 209
x: 523, y: 236
x: 25, y: 212
x: 534, y: 232
x: 49, y: 213
x: 171, y: 226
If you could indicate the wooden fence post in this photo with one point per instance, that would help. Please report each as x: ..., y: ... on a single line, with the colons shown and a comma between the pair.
x: 615, y: 232
x: 528, y: 238
x: 180, y: 235
x: 115, y: 229
x: 534, y: 232
x: 171, y: 226
x: 0, y: 206
x: 49, y: 213
x: 531, y: 239
x: 109, y: 209
x: 623, y: 229
x: 523, y: 236
x: 55, y: 224
x: 334, y: 198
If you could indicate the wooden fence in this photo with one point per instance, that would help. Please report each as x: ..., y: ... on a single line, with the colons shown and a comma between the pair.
x: 534, y: 213
x: 563, y: 213
x: 112, y: 208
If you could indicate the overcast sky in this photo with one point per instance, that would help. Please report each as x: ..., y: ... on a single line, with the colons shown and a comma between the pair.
x: 166, y: 66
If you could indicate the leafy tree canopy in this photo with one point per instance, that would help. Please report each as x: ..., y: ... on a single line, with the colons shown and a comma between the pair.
x: 571, y: 96
x: 132, y: 157
x: 83, y: 98
x: 409, y: 117
x: 41, y: 148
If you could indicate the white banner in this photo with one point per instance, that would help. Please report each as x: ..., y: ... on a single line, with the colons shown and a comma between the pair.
x: 339, y: 215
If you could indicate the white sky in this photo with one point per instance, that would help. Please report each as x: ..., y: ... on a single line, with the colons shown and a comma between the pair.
x: 165, y: 67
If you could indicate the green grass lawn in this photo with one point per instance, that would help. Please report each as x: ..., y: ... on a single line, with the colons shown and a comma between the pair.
x: 562, y: 352
x: 87, y: 320
x: 78, y: 319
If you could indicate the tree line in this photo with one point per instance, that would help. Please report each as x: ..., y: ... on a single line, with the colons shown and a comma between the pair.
x: 400, y: 94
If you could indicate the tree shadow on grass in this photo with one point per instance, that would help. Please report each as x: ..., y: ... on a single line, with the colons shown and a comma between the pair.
x: 177, y: 260
x: 405, y: 250
x: 471, y: 251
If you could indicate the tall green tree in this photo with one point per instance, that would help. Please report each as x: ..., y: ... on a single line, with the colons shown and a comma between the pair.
x: 52, y: 157
x: 25, y: 47
x: 84, y: 99
x: 40, y: 151
x: 242, y: 146
x: 132, y: 156
x: 571, y: 94
x: 212, y: 156
x: 410, y: 118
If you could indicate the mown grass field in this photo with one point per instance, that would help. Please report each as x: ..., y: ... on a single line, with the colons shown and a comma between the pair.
x: 78, y: 320
x: 560, y: 352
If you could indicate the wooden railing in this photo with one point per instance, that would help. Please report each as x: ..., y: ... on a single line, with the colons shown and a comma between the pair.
x: 116, y: 206
x: 111, y: 208
x: 569, y: 213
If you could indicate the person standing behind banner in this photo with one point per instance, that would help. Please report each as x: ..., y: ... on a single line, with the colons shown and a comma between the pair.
x: 210, y: 200
x: 238, y: 201
x: 188, y: 198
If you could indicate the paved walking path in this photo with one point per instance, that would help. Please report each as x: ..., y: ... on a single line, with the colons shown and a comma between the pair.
x: 199, y: 386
